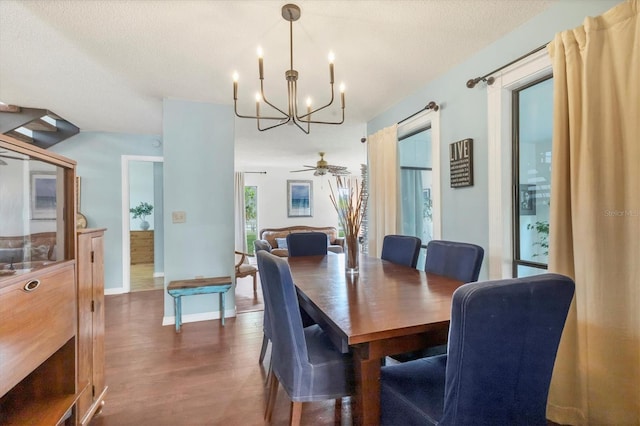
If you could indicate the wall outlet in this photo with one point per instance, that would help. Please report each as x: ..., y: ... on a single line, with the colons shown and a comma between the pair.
x: 179, y: 217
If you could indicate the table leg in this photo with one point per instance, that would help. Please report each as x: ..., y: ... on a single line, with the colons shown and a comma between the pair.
x: 222, y: 307
x: 178, y: 311
x: 367, y: 398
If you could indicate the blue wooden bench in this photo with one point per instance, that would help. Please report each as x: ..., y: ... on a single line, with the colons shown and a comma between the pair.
x: 180, y: 288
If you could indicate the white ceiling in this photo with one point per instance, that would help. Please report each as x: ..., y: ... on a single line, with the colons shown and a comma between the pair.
x: 106, y: 65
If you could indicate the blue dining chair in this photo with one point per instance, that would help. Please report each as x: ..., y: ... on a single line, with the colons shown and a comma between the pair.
x: 304, y: 360
x: 401, y: 249
x: 307, y: 243
x: 266, y: 337
x: 457, y: 260
x: 503, y: 340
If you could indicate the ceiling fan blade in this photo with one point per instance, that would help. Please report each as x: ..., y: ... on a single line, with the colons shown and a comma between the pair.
x: 302, y: 170
x: 330, y: 166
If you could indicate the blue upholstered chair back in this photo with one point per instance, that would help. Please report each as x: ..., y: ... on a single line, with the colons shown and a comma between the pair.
x: 261, y: 245
x: 460, y: 261
x: 503, y: 340
x: 305, y: 361
x: 307, y: 243
x: 401, y: 249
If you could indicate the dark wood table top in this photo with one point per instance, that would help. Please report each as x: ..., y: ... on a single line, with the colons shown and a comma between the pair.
x: 384, y: 300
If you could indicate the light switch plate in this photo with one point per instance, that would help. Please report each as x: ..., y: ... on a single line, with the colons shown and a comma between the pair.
x: 179, y: 217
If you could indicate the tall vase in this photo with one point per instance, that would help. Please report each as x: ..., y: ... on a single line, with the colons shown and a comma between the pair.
x: 351, y: 254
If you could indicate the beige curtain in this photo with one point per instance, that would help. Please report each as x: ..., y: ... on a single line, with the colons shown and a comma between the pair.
x: 238, y: 191
x: 595, y: 218
x: 383, y: 187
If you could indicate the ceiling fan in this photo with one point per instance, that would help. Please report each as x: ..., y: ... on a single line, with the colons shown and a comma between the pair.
x: 322, y: 168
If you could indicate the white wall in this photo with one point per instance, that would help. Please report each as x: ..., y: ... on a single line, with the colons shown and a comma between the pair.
x: 272, y: 198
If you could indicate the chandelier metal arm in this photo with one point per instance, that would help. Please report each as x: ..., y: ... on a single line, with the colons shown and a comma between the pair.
x: 302, y: 117
x: 271, y: 127
x: 264, y: 98
x: 254, y: 117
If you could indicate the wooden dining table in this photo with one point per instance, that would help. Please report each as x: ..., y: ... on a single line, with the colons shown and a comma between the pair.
x: 384, y: 310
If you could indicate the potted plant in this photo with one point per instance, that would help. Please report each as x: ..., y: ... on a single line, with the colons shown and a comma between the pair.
x: 141, y: 211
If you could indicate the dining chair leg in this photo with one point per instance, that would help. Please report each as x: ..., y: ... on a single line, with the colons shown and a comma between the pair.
x: 269, y: 375
x: 271, y: 399
x: 255, y: 283
x: 296, y: 413
x: 338, y: 412
x: 263, y: 350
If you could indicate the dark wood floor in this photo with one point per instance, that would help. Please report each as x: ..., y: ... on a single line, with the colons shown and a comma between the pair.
x: 207, y: 375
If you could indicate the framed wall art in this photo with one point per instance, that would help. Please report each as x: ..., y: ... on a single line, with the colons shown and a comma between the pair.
x: 299, y: 198
x: 43, y: 195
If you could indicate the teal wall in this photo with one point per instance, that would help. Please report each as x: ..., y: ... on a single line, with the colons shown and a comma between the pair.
x: 198, y: 143
x: 98, y: 155
x: 464, y: 113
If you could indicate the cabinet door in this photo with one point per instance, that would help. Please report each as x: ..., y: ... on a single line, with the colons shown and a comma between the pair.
x: 97, y: 244
x: 91, y: 322
x: 85, y: 322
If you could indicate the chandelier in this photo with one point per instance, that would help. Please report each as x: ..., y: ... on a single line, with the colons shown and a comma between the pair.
x: 291, y: 13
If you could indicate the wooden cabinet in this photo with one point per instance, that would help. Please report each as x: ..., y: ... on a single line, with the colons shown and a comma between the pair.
x: 38, y: 302
x: 91, y: 382
x: 141, y: 247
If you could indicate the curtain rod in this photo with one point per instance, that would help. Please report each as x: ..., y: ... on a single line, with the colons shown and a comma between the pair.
x: 487, y: 77
x: 431, y: 105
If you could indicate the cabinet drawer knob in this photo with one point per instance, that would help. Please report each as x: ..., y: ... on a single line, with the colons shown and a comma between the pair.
x: 32, y: 285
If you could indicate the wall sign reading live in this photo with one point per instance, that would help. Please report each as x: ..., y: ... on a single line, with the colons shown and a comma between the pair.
x: 461, y: 163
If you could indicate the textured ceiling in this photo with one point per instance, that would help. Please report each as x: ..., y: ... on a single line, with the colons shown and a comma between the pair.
x: 107, y: 65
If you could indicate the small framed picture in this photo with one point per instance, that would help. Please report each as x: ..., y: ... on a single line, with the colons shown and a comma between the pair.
x: 43, y: 195
x: 527, y: 200
x: 299, y: 198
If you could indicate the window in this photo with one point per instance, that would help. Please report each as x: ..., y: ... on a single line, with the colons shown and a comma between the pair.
x: 251, y: 216
x: 416, y: 175
x: 511, y: 245
x: 532, y: 132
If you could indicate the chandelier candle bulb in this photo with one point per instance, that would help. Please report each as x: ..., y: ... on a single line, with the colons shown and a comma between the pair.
x: 235, y: 86
x: 331, y: 59
x: 260, y: 64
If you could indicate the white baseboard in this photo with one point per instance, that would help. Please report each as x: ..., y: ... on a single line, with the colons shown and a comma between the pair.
x: 110, y: 291
x: 202, y: 316
x: 158, y: 275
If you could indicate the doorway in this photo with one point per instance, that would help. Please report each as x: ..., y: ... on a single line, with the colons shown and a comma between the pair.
x: 142, y: 224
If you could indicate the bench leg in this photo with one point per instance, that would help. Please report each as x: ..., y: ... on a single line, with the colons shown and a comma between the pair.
x: 177, y: 303
x: 222, y: 308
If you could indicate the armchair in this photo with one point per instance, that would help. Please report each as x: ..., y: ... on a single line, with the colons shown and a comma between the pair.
x: 245, y: 269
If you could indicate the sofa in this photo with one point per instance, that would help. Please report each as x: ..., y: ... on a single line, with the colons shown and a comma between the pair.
x: 27, y: 251
x: 275, y: 239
